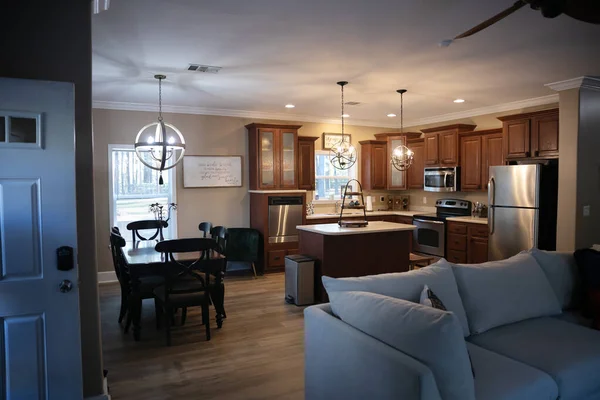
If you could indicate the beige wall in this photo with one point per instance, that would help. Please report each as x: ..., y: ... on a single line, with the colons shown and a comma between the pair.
x: 214, y: 135
x: 50, y: 42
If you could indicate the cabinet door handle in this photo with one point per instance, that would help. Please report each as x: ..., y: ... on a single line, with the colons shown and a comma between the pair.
x: 527, y: 154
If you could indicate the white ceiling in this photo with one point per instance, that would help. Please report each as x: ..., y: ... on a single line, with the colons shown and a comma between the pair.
x: 275, y: 52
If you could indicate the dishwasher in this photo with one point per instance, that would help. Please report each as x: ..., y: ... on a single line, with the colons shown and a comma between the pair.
x: 285, y: 213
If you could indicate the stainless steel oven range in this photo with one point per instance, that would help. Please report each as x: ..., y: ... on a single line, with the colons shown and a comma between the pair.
x: 430, y: 235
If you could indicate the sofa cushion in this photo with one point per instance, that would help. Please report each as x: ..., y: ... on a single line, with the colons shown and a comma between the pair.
x: 408, y: 286
x: 569, y: 353
x: 574, y: 317
x: 561, y: 271
x: 502, y: 378
x: 501, y: 292
x: 431, y: 336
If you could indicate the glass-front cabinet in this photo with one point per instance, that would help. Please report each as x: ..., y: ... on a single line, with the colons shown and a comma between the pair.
x: 397, y: 179
x: 273, y: 156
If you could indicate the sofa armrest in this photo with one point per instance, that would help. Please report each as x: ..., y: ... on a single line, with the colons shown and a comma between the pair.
x: 342, y: 362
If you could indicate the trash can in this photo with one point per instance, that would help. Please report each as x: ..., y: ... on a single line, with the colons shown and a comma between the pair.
x: 299, y: 280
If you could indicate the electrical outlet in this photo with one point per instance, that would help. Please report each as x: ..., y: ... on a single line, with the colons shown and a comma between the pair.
x: 586, y: 211
x: 382, y: 199
x: 424, y: 200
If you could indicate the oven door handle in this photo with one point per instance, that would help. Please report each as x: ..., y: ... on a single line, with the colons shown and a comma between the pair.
x: 428, y: 222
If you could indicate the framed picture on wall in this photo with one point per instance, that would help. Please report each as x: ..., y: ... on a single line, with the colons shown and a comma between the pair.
x: 331, y: 139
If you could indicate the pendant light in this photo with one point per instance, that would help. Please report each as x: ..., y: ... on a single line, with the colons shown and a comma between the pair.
x: 342, y: 155
x: 402, y: 156
x: 159, y: 145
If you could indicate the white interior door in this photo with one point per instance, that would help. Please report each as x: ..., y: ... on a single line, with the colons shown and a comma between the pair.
x: 40, y: 350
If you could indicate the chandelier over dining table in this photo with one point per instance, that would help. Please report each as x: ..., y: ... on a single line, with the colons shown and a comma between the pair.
x: 159, y: 145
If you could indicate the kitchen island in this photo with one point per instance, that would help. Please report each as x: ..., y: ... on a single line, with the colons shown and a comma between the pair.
x: 377, y: 248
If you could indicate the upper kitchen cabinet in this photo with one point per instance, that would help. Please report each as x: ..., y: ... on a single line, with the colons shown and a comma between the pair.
x: 396, y: 180
x: 273, y: 156
x: 442, y: 146
x: 373, y: 164
x: 531, y: 135
x: 479, y: 150
x: 306, y: 162
x: 416, y: 173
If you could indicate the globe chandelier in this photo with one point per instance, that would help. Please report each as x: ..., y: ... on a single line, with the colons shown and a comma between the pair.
x: 342, y: 155
x: 402, y: 157
x: 159, y: 145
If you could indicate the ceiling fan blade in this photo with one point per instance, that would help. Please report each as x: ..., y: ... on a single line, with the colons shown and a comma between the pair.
x: 583, y: 10
x: 518, y: 5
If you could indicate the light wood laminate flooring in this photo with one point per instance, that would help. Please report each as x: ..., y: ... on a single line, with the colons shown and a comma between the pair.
x: 258, y: 354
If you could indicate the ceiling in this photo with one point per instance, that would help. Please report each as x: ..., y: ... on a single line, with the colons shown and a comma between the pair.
x: 275, y: 52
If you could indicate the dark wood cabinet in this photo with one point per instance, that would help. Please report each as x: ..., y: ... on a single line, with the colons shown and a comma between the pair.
x: 531, y: 135
x: 306, y: 162
x: 479, y: 150
x: 373, y: 164
x: 431, y: 156
x: 466, y: 242
x: 401, y: 219
x: 470, y: 165
x: 396, y: 180
x: 273, y: 156
x: 415, y: 174
x: 442, y: 145
x: 492, y: 154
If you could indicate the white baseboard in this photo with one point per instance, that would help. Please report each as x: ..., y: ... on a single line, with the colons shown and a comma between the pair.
x: 107, y: 277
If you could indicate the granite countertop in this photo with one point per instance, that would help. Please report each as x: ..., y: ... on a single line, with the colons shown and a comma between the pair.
x: 469, y: 220
x: 373, y: 227
x: 369, y: 214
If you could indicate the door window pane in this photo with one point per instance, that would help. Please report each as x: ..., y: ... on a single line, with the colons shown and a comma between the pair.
x: 22, y: 130
x: 267, y: 155
x: 289, y: 164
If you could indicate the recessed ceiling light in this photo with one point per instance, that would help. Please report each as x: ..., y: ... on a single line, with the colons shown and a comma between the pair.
x: 345, y: 115
x: 391, y: 115
x: 289, y: 106
x: 459, y: 101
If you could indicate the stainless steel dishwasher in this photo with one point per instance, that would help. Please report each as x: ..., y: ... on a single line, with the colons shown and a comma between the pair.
x: 285, y: 213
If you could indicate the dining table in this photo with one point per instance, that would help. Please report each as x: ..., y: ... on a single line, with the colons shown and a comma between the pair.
x: 142, y: 260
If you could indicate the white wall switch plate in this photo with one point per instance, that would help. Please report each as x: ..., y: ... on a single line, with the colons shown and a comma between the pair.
x: 424, y: 200
x: 586, y: 211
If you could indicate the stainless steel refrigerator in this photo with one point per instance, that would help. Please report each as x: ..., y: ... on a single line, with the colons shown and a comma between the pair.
x: 522, y: 208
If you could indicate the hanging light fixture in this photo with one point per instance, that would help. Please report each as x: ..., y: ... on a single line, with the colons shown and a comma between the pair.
x: 342, y: 155
x: 402, y: 156
x: 159, y: 145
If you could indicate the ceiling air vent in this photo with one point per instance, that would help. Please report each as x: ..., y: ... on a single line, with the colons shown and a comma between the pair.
x: 352, y: 103
x: 204, y: 68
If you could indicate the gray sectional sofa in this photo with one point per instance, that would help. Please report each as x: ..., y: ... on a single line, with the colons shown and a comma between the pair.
x: 516, y: 320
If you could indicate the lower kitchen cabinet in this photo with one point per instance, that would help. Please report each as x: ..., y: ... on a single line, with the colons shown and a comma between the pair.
x: 466, y: 243
x: 401, y: 219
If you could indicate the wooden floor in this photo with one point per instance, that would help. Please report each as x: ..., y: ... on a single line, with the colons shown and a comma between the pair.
x: 258, y: 354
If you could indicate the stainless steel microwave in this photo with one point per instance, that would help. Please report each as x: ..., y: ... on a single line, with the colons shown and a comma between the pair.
x: 440, y: 179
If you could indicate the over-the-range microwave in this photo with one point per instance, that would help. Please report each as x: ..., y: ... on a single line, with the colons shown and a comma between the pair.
x: 442, y: 179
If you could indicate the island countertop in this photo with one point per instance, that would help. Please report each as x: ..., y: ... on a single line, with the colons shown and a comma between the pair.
x: 373, y: 227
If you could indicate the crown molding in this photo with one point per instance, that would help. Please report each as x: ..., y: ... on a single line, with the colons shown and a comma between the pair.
x: 515, y: 105
x: 587, y: 82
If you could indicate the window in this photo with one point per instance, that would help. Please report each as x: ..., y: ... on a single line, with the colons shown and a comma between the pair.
x: 329, y: 181
x: 133, y: 187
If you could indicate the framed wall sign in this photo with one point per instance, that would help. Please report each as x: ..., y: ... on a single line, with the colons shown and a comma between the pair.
x: 330, y: 139
x: 212, y: 171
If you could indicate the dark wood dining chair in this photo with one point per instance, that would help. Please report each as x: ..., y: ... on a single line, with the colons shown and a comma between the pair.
x: 205, y: 228
x: 148, y: 224
x: 116, y: 244
x: 188, y: 283
x: 219, y: 235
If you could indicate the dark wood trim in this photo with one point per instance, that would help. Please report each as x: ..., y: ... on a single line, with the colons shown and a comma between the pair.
x: 408, y: 135
x: 420, y: 140
x: 373, y: 142
x: 482, y: 132
x: 313, y: 138
x: 272, y: 126
x: 459, y: 127
x: 528, y: 115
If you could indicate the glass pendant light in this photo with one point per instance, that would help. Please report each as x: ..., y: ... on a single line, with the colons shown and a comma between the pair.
x: 342, y: 155
x: 159, y: 145
x: 402, y: 156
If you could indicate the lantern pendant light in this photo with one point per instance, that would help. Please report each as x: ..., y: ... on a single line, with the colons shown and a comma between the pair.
x: 159, y: 145
x: 342, y: 155
x: 402, y: 156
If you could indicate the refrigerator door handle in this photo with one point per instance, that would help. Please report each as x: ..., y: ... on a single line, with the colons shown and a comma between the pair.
x: 533, y: 234
x: 491, y: 202
x: 491, y: 220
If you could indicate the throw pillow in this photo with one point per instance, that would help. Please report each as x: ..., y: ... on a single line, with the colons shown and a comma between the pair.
x: 408, y: 286
x: 502, y: 292
x: 588, y: 261
x: 561, y: 271
x: 431, y: 336
x: 428, y: 298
